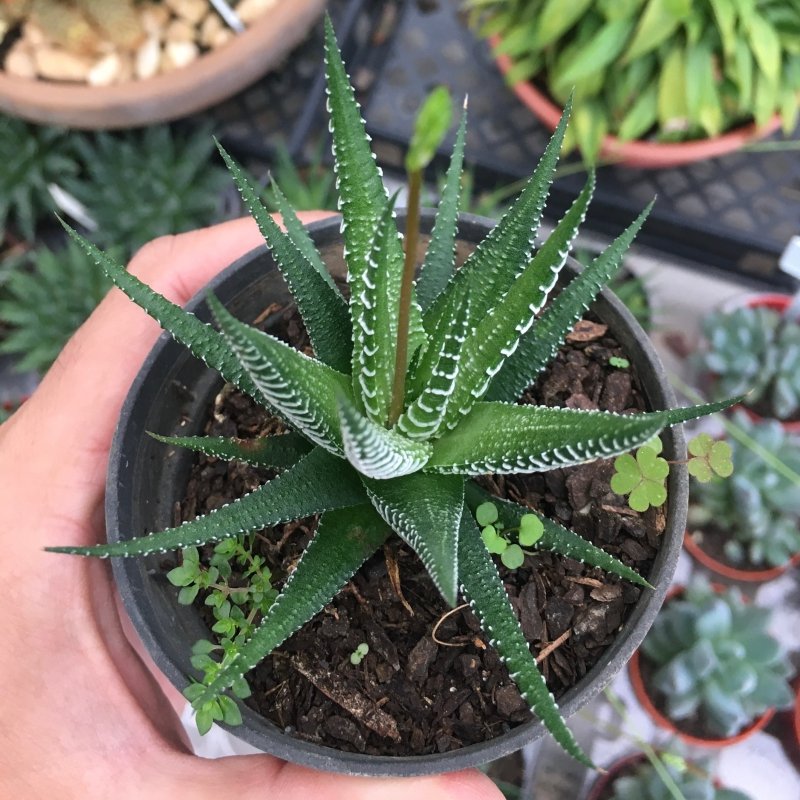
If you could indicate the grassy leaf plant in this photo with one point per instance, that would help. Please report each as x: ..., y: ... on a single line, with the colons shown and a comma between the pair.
x: 422, y: 402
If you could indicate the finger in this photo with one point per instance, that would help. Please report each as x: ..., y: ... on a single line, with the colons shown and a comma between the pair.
x: 253, y: 777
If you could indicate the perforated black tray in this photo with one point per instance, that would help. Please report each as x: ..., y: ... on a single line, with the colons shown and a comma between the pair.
x: 734, y: 213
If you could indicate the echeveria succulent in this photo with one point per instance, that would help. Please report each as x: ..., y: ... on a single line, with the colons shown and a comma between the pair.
x: 714, y: 659
x: 693, y: 783
x: 759, y: 507
x: 373, y: 454
x: 753, y: 350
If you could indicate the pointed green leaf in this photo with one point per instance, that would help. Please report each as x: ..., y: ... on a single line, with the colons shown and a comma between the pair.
x: 430, y: 128
x: 491, y: 270
x: 374, y: 309
x: 203, y: 341
x: 538, y: 347
x: 427, y: 515
x: 317, y: 483
x: 437, y: 268
x: 375, y: 451
x: 496, y: 336
x: 322, y: 307
x: 496, y: 437
x: 425, y: 416
x: 278, y: 452
x: 362, y: 196
x: 302, y: 389
x: 555, y: 538
x: 489, y: 601
x: 344, y: 540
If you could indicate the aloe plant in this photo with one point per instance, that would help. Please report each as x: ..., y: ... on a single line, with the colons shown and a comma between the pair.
x: 381, y: 454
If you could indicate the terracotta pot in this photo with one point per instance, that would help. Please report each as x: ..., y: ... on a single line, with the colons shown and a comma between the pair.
x: 660, y: 719
x: 733, y: 573
x: 778, y: 303
x: 639, y: 153
x: 618, y: 769
x: 209, y: 80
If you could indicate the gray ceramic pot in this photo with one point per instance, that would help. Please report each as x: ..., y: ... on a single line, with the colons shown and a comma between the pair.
x: 145, y: 480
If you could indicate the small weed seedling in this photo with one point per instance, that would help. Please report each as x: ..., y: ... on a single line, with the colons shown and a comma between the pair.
x: 357, y: 656
x: 497, y: 538
x: 643, y: 476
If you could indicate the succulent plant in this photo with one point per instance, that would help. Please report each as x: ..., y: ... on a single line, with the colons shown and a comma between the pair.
x: 46, y: 297
x: 672, y: 70
x: 408, y: 396
x: 755, y: 349
x: 33, y: 157
x: 144, y: 184
x: 713, y: 658
x: 759, y: 507
x: 693, y: 782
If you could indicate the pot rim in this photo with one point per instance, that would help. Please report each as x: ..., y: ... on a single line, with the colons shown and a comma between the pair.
x: 733, y: 573
x: 210, y: 79
x: 663, y: 721
x: 131, y: 580
x: 638, y: 152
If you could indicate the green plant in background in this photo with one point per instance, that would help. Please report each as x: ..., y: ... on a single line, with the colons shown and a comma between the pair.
x: 147, y: 183
x: 692, y: 781
x: 714, y: 659
x: 654, y: 68
x: 759, y: 508
x: 395, y: 442
x: 45, y: 298
x: 757, y: 349
x: 311, y: 187
x: 33, y: 157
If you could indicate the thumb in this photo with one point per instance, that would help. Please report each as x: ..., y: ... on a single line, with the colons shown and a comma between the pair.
x: 257, y: 777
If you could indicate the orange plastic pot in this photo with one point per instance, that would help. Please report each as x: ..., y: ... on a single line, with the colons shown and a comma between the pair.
x: 660, y: 719
x: 733, y: 573
x: 640, y: 153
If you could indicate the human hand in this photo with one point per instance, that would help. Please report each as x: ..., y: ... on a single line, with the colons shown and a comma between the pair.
x: 82, y: 715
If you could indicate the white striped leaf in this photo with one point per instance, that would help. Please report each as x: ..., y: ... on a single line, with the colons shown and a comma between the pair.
x: 489, y: 272
x: 440, y: 366
x: 538, y: 347
x: 344, y: 540
x: 302, y: 389
x: 375, y: 451
x: 488, y: 599
x: 319, y: 482
x: 502, y: 438
x: 496, y: 335
x: 374, y: 309
x: 439, y: 263
x: 426, y: 514
x: 555, y: 538
x: 277, y: 452
x: 321, y: 305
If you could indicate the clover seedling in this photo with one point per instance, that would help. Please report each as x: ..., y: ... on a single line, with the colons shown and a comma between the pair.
x: 642, y: 477
x: 709, y: 458
x: 619, y: 363
x: 357, y: 656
